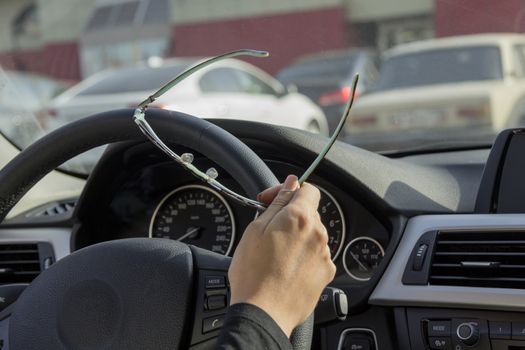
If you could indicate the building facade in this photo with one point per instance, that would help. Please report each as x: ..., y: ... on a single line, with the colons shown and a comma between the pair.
x: 72, y: 39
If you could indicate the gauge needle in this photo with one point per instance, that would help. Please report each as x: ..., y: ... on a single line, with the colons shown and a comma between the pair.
x: 189, y: 233
x: 359, y: 262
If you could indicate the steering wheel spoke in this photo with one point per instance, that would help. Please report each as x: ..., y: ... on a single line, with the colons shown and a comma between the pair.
x: 212, y: 296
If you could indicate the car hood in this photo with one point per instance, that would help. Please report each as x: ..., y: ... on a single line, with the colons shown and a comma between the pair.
x: 426, y: 95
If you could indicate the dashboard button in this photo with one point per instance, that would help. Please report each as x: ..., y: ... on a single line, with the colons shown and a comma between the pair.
x: 468, y: 332
x: 341, y: 304
x: 439, y: 328
x: 499, y: 330
x: 212, y: 323
x: 419, y: 258
x: 356, y: 343
x: 215, y: 282
x: 518, y: 330
x: 215, y: 302
x: 439, y: 343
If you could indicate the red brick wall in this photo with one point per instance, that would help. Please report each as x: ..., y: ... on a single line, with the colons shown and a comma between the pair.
x: 58, y: 60
x: 458, y: 17
x: 286, y: 36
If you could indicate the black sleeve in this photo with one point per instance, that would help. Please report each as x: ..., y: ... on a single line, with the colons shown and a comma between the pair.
x: 248, y: 327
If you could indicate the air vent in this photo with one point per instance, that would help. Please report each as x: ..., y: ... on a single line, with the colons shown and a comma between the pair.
x: 22, y: 262
x: 57, y: 208
x: 479, y: 259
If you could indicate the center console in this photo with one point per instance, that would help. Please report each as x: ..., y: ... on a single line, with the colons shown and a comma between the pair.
x: 451, y: 329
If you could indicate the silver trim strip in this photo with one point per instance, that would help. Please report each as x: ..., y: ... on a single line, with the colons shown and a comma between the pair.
x: 390, y: 290
x: 356, y: 330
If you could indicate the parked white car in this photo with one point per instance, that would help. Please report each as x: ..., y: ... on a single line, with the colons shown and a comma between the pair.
x: 228, y: 89
x: 469, y: 85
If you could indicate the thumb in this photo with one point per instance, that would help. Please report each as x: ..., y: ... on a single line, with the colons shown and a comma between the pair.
x: 284, y: 196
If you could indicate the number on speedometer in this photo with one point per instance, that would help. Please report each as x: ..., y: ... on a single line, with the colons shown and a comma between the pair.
x: 197, y: 215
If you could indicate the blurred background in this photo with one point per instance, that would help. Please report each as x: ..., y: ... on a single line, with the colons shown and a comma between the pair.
x: 316, y: 46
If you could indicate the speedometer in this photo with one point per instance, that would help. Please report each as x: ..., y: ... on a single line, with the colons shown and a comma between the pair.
x: 197, y: 215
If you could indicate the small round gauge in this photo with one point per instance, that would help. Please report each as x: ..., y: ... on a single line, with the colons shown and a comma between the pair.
x: 361, y: 257
x: 334, y: 221
x: 197, y: 215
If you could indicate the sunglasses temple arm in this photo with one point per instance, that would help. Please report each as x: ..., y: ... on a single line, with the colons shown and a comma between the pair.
x: 244, y: 52
x: 336, y: 133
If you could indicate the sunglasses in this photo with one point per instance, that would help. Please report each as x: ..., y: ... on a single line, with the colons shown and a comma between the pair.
x: 210, y: 175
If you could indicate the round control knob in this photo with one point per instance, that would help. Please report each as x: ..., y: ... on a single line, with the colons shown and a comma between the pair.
x: 468, y: 332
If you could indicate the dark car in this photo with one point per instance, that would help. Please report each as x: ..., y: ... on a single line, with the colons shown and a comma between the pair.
x: 326, y: 77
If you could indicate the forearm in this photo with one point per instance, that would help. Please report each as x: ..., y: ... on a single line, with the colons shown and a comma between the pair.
x: 249, y: 327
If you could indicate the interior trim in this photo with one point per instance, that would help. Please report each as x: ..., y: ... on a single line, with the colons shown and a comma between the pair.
x: 390, y: 290
x: 59, y: 238
x: 356, y: 330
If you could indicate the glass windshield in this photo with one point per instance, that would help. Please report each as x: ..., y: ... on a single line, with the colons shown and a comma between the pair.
x: 434, y: 74
x: 441, y: 67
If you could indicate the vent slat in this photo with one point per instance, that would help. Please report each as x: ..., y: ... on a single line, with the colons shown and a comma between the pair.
x: 480, y: 254
x: 479, y: 259
x: 496, y: 279
x: 484, y: 242
x: 8, y: 262
x: 26, y: 251
x: 502, y: 266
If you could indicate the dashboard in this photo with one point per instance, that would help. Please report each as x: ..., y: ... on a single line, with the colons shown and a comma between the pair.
x: 427, y: 247
x: 161, y: 200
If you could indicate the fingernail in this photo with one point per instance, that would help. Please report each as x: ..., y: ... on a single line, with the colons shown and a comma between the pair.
x: 259, y: 196
x: 290, y: 183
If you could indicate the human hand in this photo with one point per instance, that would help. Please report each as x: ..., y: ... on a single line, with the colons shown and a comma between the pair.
x: 283, y: 261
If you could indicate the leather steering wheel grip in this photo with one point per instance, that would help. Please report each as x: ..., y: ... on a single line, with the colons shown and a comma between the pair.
x: 52, y: 150
x: 57, y: 147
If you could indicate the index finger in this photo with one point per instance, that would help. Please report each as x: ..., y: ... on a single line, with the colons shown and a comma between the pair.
x: 269, y: 194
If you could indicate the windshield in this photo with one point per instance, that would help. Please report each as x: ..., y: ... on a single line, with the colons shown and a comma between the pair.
x: 434, y: 74
x: 441, y: 67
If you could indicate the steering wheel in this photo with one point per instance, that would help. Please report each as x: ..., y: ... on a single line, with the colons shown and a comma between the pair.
x: 132, y: 293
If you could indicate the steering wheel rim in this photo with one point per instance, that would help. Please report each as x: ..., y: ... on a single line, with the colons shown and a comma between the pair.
x: 52, y: 150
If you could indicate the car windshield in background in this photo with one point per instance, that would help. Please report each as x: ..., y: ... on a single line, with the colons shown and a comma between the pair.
x: 133, y: 79
x: 454, y: 65
x: 322, y: 67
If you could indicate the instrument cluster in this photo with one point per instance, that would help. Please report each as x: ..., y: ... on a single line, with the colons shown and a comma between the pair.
x: 197, y: 214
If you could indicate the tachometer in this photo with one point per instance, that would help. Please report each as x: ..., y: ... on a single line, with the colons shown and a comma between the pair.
x: 333, y: 219
x: 197, y: 215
